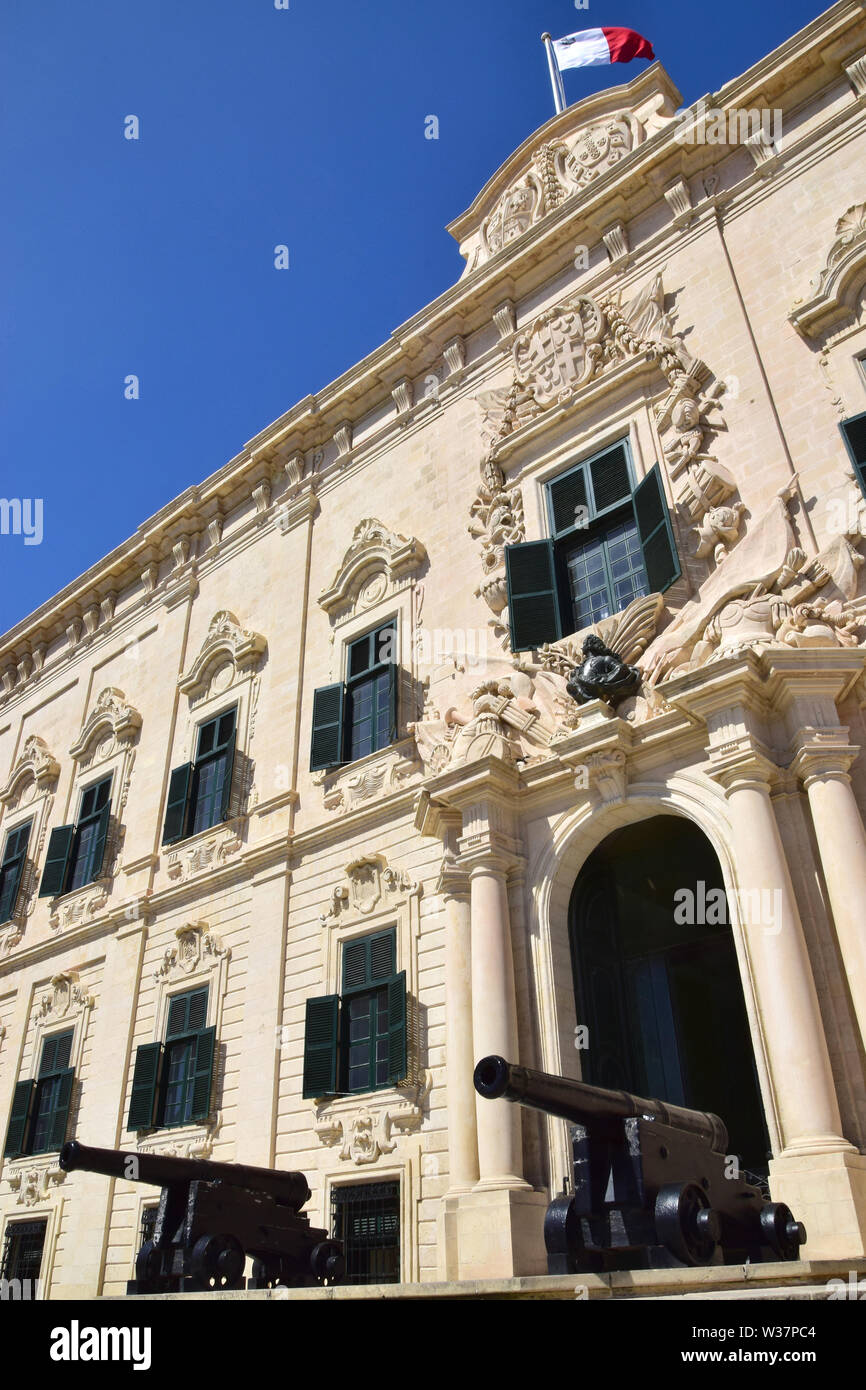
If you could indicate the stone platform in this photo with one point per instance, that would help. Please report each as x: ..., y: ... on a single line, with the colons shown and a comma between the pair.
x: 801, y: 1279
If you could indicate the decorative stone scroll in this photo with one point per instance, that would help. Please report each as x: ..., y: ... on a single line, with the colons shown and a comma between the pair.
x: 377, y: 562
x: 835, y: 296
x: 227, y: 647
x: 35, y: 771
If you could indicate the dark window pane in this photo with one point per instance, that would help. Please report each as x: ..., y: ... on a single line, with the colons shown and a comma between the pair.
x: 366, y: 1218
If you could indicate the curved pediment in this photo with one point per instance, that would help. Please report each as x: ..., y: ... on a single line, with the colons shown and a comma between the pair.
x: 562, y: 159
x: 836, y: 294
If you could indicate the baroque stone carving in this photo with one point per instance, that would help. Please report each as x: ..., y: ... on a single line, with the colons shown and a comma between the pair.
x: 513, y: 718
x: 65, y: 999
x: 34, y: 1184
x: 765, y: 594
x: 210, y: 853
x: 371, y: 880
x: 225, y: 639
x: 34, y: 771
x: 553, y: 358
x: 346, y: 791
x: 364, y: 1134
x: 559, y: 169
x: 836, y: 292
x: 113, y: 717
x: 79, y: 907
x: 373, y: 550
x: 197, y: 949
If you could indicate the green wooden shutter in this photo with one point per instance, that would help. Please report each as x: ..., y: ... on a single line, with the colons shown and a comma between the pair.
x: 99, y: 843
x: 177, y: 805
x: 227, y: 777
x: 178, y: 1010
x: 565, y: 495
x: 57, y: 861
x: 655, y: 533
x: 355, y: 964
x: 383, y: 948
x: 10, y: 882
x: 327, y: 741
x: 398, y: 1061
x: 533, y: 600
x: 611, y: 482
x: 196, y: 1010
x: 60, y: 1118
x: 205, y: 1047
x: 854, y: 434
x: 145, y: 1080
x: 56, y: 1052
x: 321, y: 1037
x: 19, y: 1119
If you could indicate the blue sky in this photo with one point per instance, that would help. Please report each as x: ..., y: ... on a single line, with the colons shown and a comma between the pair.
x: 258, y: 127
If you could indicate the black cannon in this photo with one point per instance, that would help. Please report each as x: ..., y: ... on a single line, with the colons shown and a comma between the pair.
x: 652, y: 1184
x: 211, y: 1216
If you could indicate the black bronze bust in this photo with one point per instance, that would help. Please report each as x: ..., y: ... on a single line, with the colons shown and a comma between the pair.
x: 602, y: 675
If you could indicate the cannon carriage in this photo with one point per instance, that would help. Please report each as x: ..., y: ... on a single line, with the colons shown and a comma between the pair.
x: 211, y: 1216
x: 652, y: 1185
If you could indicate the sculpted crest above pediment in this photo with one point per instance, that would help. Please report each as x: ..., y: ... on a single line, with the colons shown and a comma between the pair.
x: 563, y: 159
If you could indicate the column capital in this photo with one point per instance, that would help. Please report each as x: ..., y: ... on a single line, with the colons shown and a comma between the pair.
x: 822, y: 753
x: 741, y: 763
x: 490, y: 852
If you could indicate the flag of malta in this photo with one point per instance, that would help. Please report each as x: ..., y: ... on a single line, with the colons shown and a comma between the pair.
x: 591, y: 47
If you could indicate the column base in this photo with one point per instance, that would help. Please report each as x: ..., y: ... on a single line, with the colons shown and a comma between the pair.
x: 827, y: 1192
x: 494, y: 1233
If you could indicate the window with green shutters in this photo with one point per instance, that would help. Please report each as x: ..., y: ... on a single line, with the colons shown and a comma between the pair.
x: 356, y: 1041
x: 76, y: 853
x: 172, y: 1080
x: 39, y: 1116
x: 199, y: 793
x: 359, y: 716
x: 12, y: 868
x: 610, y: 542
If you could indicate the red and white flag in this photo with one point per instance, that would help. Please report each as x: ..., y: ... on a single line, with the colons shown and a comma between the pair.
x: 591, y: 47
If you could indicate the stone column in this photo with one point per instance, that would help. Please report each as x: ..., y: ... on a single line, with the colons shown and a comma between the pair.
x: 799, y: 1062
x: 459, y: 1055
x: 823, y: 759
x: 494, y: 1018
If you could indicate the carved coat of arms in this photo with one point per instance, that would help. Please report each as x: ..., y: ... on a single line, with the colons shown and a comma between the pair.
x: 561, y: 349
x: 512, y: 216
x: 597, y: 148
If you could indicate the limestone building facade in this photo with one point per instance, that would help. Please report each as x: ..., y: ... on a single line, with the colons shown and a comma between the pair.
x: 298, y: 819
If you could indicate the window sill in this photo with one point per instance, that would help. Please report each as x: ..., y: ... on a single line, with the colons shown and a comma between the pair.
x: 207, y: 849
x: 32, y: 1176
x: 70, y: 908
x: 180, y: 1141
x: 362, y: 1125
x: 377, y: 774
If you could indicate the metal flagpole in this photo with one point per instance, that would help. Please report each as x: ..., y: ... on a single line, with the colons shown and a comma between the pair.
x: 555, y: 75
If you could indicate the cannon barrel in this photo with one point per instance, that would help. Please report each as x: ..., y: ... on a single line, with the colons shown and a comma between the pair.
x: 288, y: 1188
x: 588, y: 1105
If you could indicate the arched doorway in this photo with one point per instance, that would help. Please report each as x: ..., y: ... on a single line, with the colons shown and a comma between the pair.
x: 657, y: 982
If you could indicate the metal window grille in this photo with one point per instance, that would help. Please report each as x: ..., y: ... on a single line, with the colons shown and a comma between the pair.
x: 366, y: 1218
x: 148, y: 1221
x: 22, y: 1250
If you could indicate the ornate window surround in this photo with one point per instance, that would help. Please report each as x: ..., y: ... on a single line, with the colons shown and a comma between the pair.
x: 359, y: 1127
x: 29, y: 793
x: 105, y: 747
x: 225, y: 673
x: 197, y: 959
x: 36, y: 1193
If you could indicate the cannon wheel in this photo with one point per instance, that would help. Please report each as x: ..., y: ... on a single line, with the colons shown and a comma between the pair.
x: 148, y: 1269
x: 782, y: 1233
x: 327, y: 1262
x: 217, y: 1261
x: 686, y: 1224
